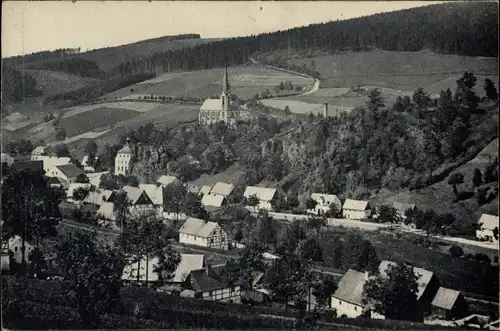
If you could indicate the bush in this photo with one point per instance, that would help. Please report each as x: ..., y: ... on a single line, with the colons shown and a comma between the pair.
x: 456, y: 251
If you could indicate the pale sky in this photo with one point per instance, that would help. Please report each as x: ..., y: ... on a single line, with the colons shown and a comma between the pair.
x: 35, y: 26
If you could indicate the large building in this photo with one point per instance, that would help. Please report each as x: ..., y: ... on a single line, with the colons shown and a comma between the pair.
x: 123, y: 159
x: 216, y: 110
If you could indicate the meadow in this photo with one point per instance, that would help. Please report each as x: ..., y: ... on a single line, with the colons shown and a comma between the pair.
x: 55, y: 82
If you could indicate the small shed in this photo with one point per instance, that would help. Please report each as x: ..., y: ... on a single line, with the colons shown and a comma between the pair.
x: 449, y: 304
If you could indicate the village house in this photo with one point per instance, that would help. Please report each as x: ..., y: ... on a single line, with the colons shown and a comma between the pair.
x: 213, y: 203
x: 16, y: 245
x: 72, y: 187
x: 347, y: 300
x: 95, y: 177
x: 211, y: 284
x: 401, y: 208
x: 203, y: 233
x: 356, y: 209
x: 49, y: 162
x: 123, y: 159
x: 155, y: 193
x: 222, y: 189
x: 166, y: 180
x: 55, y: 182
x: 6, y: 158
x: 106, y: 211
x: 66, y: 173
x: 188, y: 263
x: 265, y: 195
x: 205, y: 189
x: 213, y: 111
x: 97, y: 196
x: 323, y: 203
x: 487, y: 224
x: 449, y: 304
x: 38, y: 151
x: 89, y: 167
x: 140, y: 202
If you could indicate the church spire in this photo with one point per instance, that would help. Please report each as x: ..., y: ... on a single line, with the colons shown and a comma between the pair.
x: 225, y: 81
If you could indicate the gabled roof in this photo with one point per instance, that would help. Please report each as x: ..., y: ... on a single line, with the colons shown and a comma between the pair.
x: 33, y: 166
x: 350, y: 287
x: 212, y: 200
x: 445, y: 298
x: 167, y: 180
x: 49, y: 162
x: 221, y: 188
x: 70, y: 170
x: 134, y: 194
x: 262, y: 193
x: 489, y: 221
x: 106, y: 210
x: 211, y: 104
x: 125, y: 150
x: 188, y: 263
x: 95, y: 177
x: 327, y: 198
x: 53, y: 180
x: 424, y: 276
x: 154, y: 192
x: 401, y: 208
x: 351, y: 204
x: 38, y: 150
x: 200, y: 281
x: 197, y: 227
x: 98, y: 196
x: 73, y: 186
x: 205, y: 189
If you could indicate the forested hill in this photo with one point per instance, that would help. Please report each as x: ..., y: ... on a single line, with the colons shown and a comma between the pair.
x: 464, y: 28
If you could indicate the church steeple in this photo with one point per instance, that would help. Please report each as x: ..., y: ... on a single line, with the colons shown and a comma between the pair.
x: 225, y: 81
x: 226, y: 94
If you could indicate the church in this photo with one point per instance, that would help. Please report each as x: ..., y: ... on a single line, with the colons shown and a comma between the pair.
x: 216, y: 110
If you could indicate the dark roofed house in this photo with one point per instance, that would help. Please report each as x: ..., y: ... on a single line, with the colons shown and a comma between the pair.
x: 449, y: 304
x: 211, y: 284
x: 67, y: 172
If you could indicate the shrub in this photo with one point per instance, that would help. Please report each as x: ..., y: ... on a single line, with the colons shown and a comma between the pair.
x: 456, y: 251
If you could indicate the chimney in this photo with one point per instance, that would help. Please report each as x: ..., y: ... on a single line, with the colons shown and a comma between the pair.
x: 325, y: 110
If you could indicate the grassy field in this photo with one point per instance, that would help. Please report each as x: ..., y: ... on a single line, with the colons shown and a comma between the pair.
x: 400, y: 70
x: 245, y: 82
x: 55, y: 82
x: 135, y: 106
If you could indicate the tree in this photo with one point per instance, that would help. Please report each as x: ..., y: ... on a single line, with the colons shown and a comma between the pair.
x: 465, y: 90
x: 456, y: 179
x: 491, y: 91
x: 491, y: 171
x: 398, y: 105
x: 121, y: 206
x: 287, y: 112
x: 80, y: 193
x: 192, y: 206
x: 477, y: 180
x: 421, y: 99
x: 61, y: 150
x: 456, y: 251
x: 394, y: 294
x: 317, y: 223
x: 445, y: 99
x: 91, y: 148
x: 358, y: 253
x: 495, y: 232
x: 292, y: 200
x: 249, y: 262
x: 311, y: 203
x: 168, y: 261
x: 267, y: 229
x: 294, y: 234
x: 375, y: 100
x: 92, y: 276
x: 173, y: 197
x: 253, y: 201
x: 82, y: 178
x: 324, y: 288
x: 60, y: 134
x: 310, y: 249
x: 388, y: 215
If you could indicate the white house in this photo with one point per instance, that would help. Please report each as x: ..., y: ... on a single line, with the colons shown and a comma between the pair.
x: 167, y: 180
x: 323, y: 203
x: 356, y: 209
x: 189, y: 262
x: 49, y: 162
x: 98, y: 196
x: 86, y: 166
x: 15, y: 246
x: 123, y: 159
x: 347, y: 299
x: 140, y: 202
x: 68, y: 172
x: 205, y: 189
x: 203, y: 233
x: 155, y: 193
x: 6, y: 158
x: 222, y: 189
x: 106, y: 210
x: 72, y: 187
x: 264, y: 194
x: 213, y: 202
x: 487, y: 224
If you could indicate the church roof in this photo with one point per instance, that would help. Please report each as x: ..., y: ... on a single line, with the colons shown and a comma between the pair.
x: 225, y: 81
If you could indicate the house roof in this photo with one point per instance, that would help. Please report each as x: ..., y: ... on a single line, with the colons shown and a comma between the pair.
x: 445, y: 298
x: 424, y: 276
x: 95, y: 177
x: 355, y: 204
x: 53, y: 180
x: 167, y: 180
x: 73, y: 186
x: 205, y: 189
x: 197, y: 227
x: 188, y: 263
x: 327, y: 198
x: 49, y: 162
x: 98, y: 196
x: 38, y: 150
x: 199, y: 280
x: 106, y: 210
x: 154, y: 192
x: 262, y: 193
x: 403, y: 207
x: 134, y: 193
x: 350, y: 287
x: 489, y: 221
x: 222, y: 189
x: 212, y: 200
x: 33, y: 166
x: 125, y: 149
x: 70, y: 170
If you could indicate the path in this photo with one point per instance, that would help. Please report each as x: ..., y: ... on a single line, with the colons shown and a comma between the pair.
x: 316, y: 81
